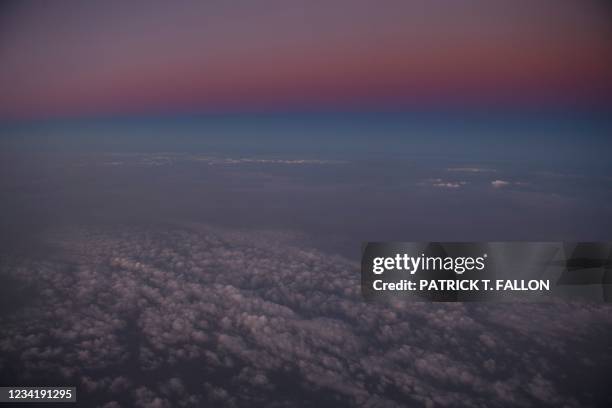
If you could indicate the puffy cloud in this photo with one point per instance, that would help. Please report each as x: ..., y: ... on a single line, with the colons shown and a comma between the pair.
x: 202, y: 316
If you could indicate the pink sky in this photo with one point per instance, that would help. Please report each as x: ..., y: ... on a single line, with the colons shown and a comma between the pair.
x: 85, y: 58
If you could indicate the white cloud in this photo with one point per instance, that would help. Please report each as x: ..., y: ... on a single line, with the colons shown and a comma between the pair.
x: 448, y: 184
x: 441, y: 183
x: 500, y: 183
x: 471, y: 169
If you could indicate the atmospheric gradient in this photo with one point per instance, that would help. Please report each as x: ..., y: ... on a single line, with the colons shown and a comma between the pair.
x: 185, y: 189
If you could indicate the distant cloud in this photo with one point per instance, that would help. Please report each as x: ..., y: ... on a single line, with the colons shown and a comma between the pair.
x: 500, y: 183
x: 504, y: 183
x: 471, y: 169
x: 441, y: 183
x: 448, y: 184
x: 165, y: 159
x: 271, y: 161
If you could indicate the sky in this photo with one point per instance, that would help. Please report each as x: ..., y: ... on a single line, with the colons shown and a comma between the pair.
x: 75, y: 59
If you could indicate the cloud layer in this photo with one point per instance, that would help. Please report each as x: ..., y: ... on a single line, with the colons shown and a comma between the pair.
x: 199, y: 316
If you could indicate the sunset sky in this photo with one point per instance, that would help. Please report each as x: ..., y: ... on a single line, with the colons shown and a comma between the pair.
x: 73, y: 59
x: 186, y: 188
